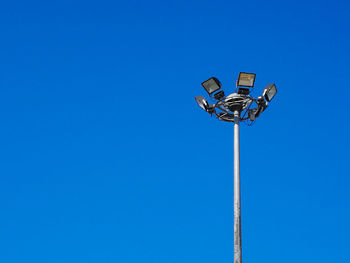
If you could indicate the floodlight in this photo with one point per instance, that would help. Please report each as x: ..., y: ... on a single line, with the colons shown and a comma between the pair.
x: 212, y: 85
x: 202, y: 102
x: 246, y: 79
x: 269, y: 92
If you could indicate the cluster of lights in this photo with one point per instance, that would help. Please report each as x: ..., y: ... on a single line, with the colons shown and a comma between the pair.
x: 236, y: 107
x: 240, y: 101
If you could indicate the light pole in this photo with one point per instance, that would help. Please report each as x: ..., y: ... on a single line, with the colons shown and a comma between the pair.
x: 237, y: 237
x: 236, y: 107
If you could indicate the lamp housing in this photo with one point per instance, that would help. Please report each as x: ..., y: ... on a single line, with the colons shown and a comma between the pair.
x: 269, y: 92
x: 212, y: 85
x: 202, y: 102
x: 246, y: 79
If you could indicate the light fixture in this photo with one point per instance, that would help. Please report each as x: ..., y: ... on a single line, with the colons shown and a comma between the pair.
x: 212, y: 85
x: 202, y: 102
x: 269, y: 92
x: 246, y: 79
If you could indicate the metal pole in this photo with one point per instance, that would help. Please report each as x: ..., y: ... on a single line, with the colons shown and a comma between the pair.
x: 237, y: 250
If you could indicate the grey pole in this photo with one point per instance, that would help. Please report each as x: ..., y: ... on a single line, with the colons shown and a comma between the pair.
x: 237, y: 251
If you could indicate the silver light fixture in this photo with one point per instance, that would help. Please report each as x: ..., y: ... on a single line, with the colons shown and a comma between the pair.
x: 211, y: 85
x: 246, y: 79
x: 202, y: 102
x: 269, y: 92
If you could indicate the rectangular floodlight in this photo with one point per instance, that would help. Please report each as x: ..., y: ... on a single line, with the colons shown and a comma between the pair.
x: 269, y: 92
x: 211, y: 85
x: 246, y: 79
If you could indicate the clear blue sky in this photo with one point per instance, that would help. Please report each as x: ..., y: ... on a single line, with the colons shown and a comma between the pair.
x: 105, y: 157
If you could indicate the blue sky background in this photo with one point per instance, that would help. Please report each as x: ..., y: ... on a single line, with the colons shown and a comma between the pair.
x: 105, y: 157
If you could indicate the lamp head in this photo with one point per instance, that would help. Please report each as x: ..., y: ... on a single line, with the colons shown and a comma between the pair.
x: 202, y: 102
x: 269, y: 92
x: 212, y: 86
x: 246, y: 79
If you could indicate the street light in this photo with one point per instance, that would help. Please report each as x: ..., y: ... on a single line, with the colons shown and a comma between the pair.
x: 236, y: 107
